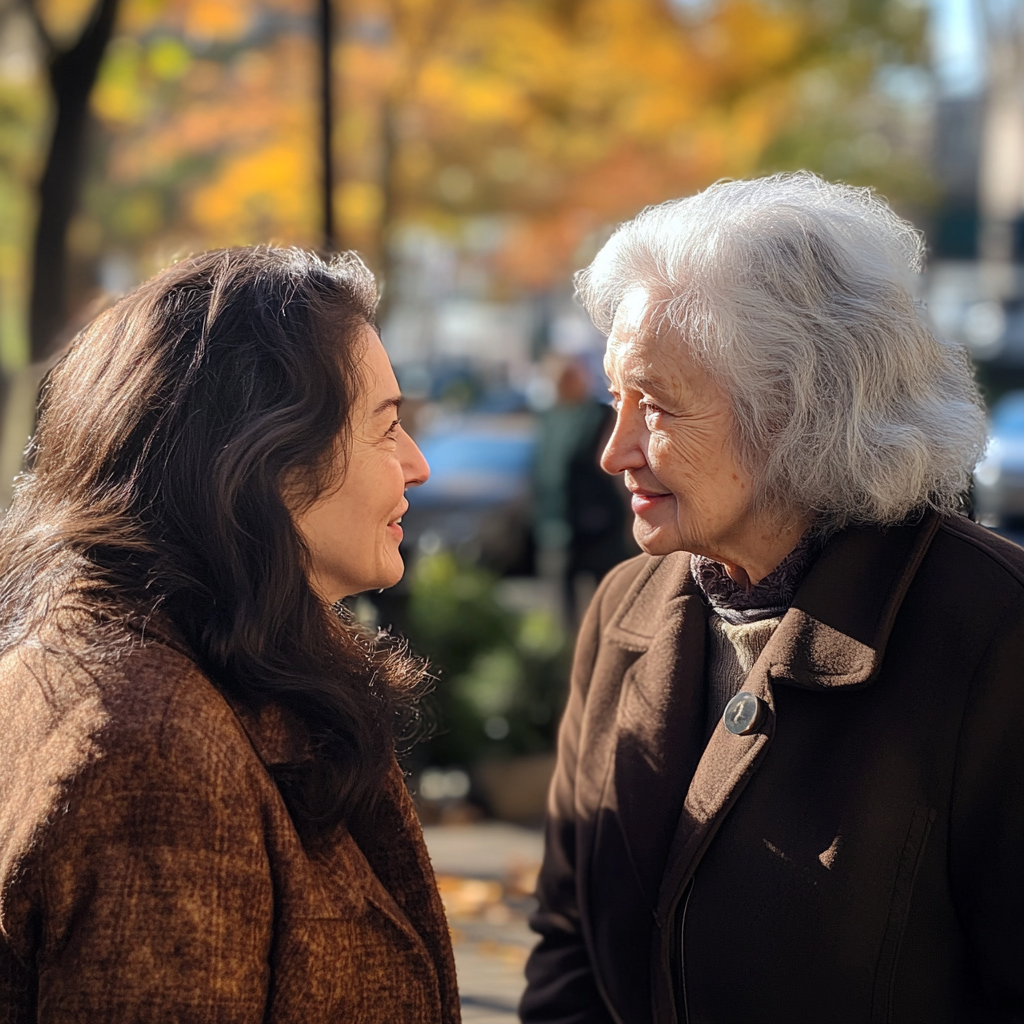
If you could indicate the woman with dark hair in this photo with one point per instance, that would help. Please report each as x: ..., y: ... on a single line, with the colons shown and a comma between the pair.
x: 201, y: 814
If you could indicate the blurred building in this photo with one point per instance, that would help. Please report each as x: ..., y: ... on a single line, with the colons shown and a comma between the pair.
x: 975, y: 283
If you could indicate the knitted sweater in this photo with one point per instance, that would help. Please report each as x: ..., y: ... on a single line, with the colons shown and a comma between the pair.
x: 741, y: 621
x: 731, y: 653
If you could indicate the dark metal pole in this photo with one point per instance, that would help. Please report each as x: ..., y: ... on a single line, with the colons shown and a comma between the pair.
x: 327, y: 122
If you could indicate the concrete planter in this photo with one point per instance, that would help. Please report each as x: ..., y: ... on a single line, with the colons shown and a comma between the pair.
x: 516, y: 788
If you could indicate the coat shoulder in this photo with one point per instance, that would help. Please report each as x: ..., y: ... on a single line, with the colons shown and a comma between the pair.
x: 978, y: 556
x: 620, y: 579
x: 90, y: 736
x: 111, y: 699
x: 642, y: 574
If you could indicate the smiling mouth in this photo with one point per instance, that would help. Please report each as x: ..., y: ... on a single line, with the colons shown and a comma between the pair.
x: 644, y: 501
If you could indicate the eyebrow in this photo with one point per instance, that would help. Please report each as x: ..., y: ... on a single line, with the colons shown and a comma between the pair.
x: 389, y: 403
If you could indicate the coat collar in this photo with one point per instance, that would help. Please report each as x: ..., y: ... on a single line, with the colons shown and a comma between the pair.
x: 836, y: 631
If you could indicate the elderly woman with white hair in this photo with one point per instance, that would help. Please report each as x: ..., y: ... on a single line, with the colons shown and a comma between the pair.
x: 790, y: 784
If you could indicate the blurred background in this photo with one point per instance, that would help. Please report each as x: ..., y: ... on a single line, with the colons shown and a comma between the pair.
x: 476, y: 153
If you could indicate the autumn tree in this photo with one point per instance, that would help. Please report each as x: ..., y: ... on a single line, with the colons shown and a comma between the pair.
x: 552, y: 117
x: 563, y: 115
x: 210, y: 130
x: 72, y: 69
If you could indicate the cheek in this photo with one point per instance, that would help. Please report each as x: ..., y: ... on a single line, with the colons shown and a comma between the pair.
x: 674, y: 457
x: 700, y: 470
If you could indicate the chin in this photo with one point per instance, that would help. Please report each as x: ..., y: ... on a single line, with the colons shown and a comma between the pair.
x: 653, y: 540
x: 393, y: 577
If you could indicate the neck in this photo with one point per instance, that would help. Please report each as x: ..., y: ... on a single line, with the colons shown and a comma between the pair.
x: 755, y: 559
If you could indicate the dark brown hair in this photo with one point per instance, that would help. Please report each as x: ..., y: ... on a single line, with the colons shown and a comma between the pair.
x: 154, y: 486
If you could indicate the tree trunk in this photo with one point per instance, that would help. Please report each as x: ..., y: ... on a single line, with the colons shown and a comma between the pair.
x: 327, y: 115
x: 72, y: 74
x: 387, y: 262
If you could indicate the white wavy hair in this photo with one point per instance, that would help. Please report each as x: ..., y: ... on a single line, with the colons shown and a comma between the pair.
x: 796, y: 296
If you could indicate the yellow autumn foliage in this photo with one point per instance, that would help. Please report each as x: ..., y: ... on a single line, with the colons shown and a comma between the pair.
x: 558, y: 116
x: 265, y: 190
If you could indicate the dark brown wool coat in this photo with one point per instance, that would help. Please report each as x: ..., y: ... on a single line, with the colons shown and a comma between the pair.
x: 860, y: 858
x: 150, y: 872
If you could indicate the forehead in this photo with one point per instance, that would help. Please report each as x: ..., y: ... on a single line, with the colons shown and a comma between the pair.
x: 629, y: 341
x: 640, y: 359
x: 630, y: 354
x: 637, y: 357
x: 374, y: 364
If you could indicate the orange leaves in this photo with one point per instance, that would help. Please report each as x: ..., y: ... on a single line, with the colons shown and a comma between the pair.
x: 202, y: 21
x: 360, y: 204
x: 551, y: 116
x: 749, y: 41
x: 217, y: 20
x: 446, y: 89
x: 264, y: 193
x: 224, y: 128
x: 538, y: 250
x: 615, y: 104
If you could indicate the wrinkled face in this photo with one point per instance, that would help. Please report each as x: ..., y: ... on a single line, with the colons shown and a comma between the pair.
x: 673, y: 441
x: 352, y: 530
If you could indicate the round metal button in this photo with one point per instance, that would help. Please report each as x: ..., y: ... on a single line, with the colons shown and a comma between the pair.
x: 743, y: 714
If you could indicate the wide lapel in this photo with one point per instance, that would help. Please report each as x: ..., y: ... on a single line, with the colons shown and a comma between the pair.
x: 399, y: 879
x: 837, y: 629
x: 392, y: 842
x: 660, y: 716
x: 834, y: 635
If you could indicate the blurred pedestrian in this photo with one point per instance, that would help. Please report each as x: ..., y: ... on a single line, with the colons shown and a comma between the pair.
x: 201, y: 815
x: 790, y: 782
x: 579, y: 511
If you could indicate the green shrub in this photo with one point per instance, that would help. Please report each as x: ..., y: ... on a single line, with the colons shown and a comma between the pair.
x: 501, y: 673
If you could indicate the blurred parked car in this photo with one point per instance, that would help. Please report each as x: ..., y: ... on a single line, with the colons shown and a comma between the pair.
x: 477, y: 500
x: 999, y: 477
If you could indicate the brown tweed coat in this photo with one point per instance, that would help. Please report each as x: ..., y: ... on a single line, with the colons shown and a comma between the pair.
x: 150, y: 872
x: 856, y: 858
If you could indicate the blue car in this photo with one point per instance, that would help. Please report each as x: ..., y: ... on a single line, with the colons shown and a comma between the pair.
x: 479, y: 460
x: 477, y: 500
x: 999, y: 477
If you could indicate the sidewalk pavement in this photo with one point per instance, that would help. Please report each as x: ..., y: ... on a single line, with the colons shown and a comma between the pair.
x: 486, y: 873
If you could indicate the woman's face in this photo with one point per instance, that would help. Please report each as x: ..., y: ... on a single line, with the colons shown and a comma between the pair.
x: 673, y: 442
x: 352, y: 531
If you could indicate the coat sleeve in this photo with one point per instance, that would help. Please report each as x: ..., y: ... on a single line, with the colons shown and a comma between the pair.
x: 561, y: 987
x: 149, y: 885
x: 986, y: 853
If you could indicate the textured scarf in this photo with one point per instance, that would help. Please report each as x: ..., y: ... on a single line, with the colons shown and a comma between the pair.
x: 768, y: 597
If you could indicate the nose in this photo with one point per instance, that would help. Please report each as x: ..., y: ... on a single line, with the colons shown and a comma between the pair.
x: 414, y: 465
x: 624, y: 449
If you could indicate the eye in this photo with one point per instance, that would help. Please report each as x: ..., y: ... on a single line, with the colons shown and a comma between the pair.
x: 616, y: 400
x: 393, y: 429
